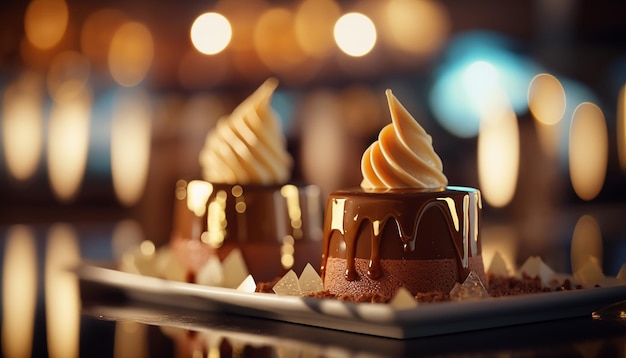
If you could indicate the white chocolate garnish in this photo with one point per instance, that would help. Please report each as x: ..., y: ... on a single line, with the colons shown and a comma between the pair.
x: 248, y: 146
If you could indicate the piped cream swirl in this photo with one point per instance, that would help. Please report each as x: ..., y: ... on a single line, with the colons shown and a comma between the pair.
x: 403, y: 155
x: 248, y: 146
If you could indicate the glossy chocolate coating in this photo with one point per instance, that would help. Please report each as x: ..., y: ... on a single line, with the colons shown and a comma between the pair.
x: 277, y: 228
x: 402, y: 224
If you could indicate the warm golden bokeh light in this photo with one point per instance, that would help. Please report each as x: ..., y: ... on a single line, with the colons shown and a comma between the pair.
x: 131, y: 54
x: 97, y: 33
x: 45, y: 22
x: 621, y: 127
x: 19, y: 292
x: 355, y: 34
x: 546, y: 99
x: 22, y: 125
x: 502, y: 240
x: 67, y: 76
x: 210, y: 33
x: 588, y: 150
x: 417, y: 26
x: 62, y: 294
x: 131, y: 339
x: 68, y: 142
x: 586, y: 242
x: 131, y: 130
x: 275, y: 40
x: 314, y: 26
x: 498, y: 152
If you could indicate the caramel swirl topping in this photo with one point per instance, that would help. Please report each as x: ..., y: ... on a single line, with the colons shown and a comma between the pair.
x: 248, y: 147
x: 403, y: 155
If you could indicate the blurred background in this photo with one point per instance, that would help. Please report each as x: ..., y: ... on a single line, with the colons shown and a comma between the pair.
x: 105, y: 105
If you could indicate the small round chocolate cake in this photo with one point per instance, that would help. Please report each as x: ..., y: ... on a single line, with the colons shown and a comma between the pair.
x: 404, y: 226
x: 276, y: 228
x: 245, y: 200
x: 380, y: 240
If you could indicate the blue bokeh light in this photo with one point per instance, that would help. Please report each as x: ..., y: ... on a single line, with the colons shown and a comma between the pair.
x: 474, y: 62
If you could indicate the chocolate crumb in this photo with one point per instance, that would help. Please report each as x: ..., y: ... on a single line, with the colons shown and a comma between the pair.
x: 499, y: 286
x: 266, y: 287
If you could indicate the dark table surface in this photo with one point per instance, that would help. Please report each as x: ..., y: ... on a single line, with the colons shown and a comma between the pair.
x: 44, y: 315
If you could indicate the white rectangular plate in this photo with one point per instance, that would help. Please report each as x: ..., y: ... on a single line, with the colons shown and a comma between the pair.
x: 366, y: 318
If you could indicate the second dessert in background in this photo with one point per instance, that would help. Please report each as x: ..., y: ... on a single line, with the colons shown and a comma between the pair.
x: 404, y: 227
x: 245, y: 201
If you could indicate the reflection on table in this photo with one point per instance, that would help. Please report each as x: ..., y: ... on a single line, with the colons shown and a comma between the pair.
x: 45, y: 312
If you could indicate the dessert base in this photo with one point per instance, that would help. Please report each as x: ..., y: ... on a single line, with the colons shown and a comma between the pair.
x: 276, y: 227
x: 263, y: 260
x: 415, y: 275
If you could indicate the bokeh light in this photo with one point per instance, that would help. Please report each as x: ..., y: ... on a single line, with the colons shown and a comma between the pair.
x: 586, y: 242
x: 275, y: 40
x: 61, y: 292
x: 498, y: 152
x: 314, y: 26
x: 547, y: 103
x: 96, y: 35
x: 19, y: 292
x: 45, y: 22
x: 576, y: 93
x: 243, y: 54
x: 418, y: 27
x: 621, y: 127
x: 458, y: 83
x: 546, y: 99
x: 355, y: 34
x: 68, y: 142
x: 130, y: 144
x: 130, y: 54
x: 210, y: 33
x: 588, y: 150
x: 68, y: 76
x: 22, y: 125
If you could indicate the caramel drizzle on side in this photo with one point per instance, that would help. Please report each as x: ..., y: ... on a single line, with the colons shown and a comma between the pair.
x: 468, y: 233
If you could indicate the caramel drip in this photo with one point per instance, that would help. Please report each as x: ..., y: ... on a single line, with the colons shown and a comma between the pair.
x: 464, y: 238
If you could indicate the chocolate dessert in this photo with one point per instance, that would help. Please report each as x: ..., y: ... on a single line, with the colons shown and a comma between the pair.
x: 245, y: 201
x: 424, y: 240
x: 276, y: 228
x: 404, y: 227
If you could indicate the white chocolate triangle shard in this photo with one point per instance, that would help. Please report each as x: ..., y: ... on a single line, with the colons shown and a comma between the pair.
x: 310, y: 281
x: 229, y: 273
x: 498, y: 266
x: 248, y: 285
x: 590, y: 273
x: 470, y: 290
x: 168, y: 266
x: 403, y: 299
x: 235, y: 269
x: 211, y: 273
x: 288, y: 285
x: 535, y: 267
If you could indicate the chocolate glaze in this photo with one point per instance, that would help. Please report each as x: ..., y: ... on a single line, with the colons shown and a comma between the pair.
x: 402, y: 224
x: 277, y: 228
